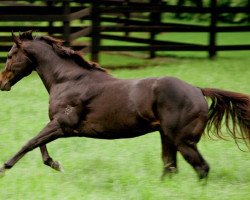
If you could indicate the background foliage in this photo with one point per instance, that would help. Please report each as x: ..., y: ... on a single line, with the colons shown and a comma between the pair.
x: 226, y: 17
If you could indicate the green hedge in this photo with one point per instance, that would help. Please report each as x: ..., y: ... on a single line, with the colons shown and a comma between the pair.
x: 227, y: 17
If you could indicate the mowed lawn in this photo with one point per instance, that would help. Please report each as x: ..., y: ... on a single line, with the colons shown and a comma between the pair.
x: 122, y: 169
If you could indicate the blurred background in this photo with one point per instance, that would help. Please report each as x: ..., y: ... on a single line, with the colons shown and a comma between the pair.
x: 203, y: 42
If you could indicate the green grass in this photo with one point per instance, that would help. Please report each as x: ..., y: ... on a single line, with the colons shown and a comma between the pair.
x: 122, y: 169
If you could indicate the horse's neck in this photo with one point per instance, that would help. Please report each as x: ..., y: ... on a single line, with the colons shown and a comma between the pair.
x: 58, y: 70
x: 53, y: 69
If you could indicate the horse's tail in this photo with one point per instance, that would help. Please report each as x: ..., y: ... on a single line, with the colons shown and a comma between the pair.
x: 231, y: 108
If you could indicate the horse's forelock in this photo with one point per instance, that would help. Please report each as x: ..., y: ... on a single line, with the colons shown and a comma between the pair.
x: 26, y: 35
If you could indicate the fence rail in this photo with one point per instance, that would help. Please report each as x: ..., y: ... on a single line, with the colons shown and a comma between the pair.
x: 95, y: 21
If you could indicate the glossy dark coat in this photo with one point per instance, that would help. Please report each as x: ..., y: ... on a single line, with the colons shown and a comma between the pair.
x: 86, y: 101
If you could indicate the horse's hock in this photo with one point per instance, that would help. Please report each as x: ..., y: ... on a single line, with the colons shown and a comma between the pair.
x: 85, y: 24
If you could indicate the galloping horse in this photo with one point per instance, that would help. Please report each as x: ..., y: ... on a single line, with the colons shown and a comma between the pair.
x: 86, y: 101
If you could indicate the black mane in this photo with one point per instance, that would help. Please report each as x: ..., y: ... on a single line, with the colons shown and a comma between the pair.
x: 63, y: 51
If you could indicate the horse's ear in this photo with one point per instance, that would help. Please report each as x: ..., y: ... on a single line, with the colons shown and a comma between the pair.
x: 26, y: 35
x: 16, y: 39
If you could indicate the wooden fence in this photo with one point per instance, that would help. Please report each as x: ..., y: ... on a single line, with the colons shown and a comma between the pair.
x: 86, y: 24
x: 43, y: 16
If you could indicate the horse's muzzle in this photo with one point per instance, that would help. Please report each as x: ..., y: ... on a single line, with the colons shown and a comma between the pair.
x: 4, y: 84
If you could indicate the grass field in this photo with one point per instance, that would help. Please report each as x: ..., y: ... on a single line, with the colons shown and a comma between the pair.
x: 122, y: 169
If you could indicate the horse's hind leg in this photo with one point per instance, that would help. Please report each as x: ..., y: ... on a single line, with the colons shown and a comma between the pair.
x: 191, y: 154
x: 169, y: 152
x: 47, y: 160
x: 186, y: 143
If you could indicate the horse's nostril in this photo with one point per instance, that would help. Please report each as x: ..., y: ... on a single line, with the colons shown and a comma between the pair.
x: 1, y: 85
x: 4, y: 84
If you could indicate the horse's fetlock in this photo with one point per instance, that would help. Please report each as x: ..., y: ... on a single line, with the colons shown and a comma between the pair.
x: 48, y: 161
x: 7, y: 166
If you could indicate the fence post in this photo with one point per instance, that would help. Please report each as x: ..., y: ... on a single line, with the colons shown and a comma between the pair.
x: 127, y: 17
x: 155, y: 19
x: 248, y: 5
x: 212, y: 32
x: 95, y: 33
x: 50, y: 4
x: 66, y: 22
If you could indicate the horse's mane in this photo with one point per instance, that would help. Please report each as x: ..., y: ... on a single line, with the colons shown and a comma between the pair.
x: 62, y: 51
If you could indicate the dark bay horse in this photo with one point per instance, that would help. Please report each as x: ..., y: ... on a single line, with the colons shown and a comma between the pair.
x: 86, y: 101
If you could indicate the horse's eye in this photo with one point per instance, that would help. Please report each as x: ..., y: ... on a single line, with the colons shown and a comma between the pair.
x: 9, y: 56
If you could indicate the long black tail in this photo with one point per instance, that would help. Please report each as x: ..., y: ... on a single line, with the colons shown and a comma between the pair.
x: 230, y: 108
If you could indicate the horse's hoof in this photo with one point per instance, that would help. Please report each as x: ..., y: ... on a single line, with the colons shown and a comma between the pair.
x: 203, y: 172
x: 169, y: 172
x: 57, y: 166
x: 203, y: 178
x: 203, y: 175
x: 2, y: 172
x: 203, y: 181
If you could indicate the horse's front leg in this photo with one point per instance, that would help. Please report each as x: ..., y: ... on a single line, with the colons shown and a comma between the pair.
x: 47, y: 160
x: 51, y: 132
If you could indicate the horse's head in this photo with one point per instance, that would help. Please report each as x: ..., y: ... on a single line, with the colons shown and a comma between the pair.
x: 18, y: 64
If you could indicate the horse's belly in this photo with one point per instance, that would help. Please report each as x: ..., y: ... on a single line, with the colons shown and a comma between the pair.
x: 122, y: 111
x: 101, y: 131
